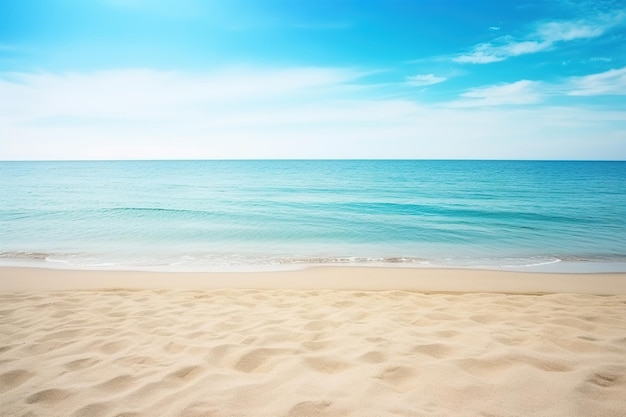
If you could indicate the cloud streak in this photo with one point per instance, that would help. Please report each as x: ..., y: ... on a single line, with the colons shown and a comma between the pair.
x: 422, y: 80
x: 518, y: 93
x: 545, y: 36
x: 526, y: 92
x: 612, y: 82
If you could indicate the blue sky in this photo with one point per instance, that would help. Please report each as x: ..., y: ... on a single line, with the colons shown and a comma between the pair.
x: 154, y: 79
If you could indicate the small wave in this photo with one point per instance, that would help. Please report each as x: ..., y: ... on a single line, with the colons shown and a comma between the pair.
x: 25, y: 255
x: 148, y: 209
x: 531, y: 264
x: 154, y: 210
x: 352, y: 260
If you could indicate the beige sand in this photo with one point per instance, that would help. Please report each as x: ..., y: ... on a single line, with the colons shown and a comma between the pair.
x: 429, y: 280
x: 311, y: 352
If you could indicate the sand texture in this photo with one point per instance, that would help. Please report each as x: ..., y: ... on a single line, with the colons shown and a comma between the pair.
x: 273, y: 352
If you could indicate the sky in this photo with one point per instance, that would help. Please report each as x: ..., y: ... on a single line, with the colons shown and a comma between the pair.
x: 238, y: 79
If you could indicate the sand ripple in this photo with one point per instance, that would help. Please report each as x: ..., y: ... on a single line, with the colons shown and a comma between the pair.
x: 311, y: 353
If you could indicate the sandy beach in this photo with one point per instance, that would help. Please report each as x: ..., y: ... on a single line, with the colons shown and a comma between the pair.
x: 314, y: 342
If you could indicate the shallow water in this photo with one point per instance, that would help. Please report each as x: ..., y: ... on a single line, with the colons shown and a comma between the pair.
x: 212, y: 215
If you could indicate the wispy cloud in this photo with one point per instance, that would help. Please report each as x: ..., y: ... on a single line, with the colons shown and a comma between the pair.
x: 526, y: 92
x: 545, y: 36
x: 138, y: 92
x: 290, y: 113
x: 487, y: 53
x: 422, y: 80
x: 612, y: 82
x: 517, y: 93
x: 600, y: 59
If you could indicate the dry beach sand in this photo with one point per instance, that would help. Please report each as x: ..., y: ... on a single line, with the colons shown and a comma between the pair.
x: 318, y: 342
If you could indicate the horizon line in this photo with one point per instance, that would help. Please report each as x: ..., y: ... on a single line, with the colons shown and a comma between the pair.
x: 310, y: 159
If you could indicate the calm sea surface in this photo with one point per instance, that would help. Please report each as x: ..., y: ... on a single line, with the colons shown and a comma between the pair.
x: 224, y: 215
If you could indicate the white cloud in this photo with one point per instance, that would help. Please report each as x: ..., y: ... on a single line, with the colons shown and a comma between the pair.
x: 566, y: 31
x: 479, y: 57
x: 612, y: 82
x: 600, y: 59
x: 525, y: 92
x: 140, y: 94
x: 424, y: 79
x: 519, y: 92
x: 488, y: 53
x: 544, y: 37
x: 293, y: 113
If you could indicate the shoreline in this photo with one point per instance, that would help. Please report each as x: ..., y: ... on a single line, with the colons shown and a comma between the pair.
x: 545, y: 264
x: 15, y: 279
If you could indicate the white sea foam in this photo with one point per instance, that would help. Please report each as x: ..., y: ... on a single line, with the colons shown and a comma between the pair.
x: 269, y: 262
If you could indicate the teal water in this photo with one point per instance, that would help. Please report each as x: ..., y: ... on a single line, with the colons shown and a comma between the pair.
x: 223, y: 215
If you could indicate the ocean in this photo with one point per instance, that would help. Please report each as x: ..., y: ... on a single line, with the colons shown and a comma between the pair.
x: 279, y: 214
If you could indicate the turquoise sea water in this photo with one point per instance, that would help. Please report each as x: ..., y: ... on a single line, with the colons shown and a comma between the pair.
x: 224, y: 215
